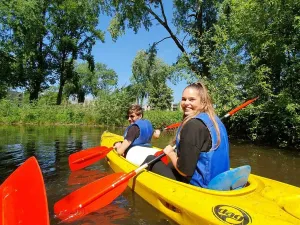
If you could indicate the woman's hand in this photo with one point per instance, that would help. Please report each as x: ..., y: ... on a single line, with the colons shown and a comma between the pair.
x: 168, y: 150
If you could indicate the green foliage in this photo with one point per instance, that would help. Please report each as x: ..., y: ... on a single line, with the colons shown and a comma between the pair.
x: 40, y: 40
x: 193, y: 21
x: 73, y: 25
x: 161, y: 119
x: 275, y: 122
x: 48, y: 97
x: 149, y: 76
x: 258, y: 53
x: 22, y: 35
x: 87, y: 82
x: 112, y: 107
x: 33, y: 113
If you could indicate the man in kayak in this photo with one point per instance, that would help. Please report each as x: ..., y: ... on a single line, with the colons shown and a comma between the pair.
x: 137, y: 137
x: 201, y: 141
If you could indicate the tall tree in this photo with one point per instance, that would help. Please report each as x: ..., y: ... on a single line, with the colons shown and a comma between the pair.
x: 149, y: 76
x: 23, y: 33
x: 87, y: 82
x: 74, y: 31
x: 261, y: 39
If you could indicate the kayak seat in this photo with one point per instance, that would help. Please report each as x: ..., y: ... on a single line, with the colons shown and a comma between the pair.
x: 231, y: 179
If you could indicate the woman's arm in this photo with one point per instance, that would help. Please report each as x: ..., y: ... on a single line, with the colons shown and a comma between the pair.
x: 173, y: 157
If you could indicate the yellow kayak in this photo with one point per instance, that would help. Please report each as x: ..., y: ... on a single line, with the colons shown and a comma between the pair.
x: 262, y: 201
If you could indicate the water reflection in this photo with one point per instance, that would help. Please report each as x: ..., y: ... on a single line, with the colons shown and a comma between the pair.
x: 277, y: 164
x: 85, y: 176
x: 52, y: 146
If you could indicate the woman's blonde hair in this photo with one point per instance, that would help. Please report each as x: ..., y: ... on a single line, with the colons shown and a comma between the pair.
x: 206, y: 106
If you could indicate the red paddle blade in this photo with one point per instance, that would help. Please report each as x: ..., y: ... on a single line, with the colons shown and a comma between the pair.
x: 87, y: 157
x: 173, y: 126
x: 23, y: 197
x: 90, y: 197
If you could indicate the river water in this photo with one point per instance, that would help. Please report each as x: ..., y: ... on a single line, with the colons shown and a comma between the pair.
x: 52, y: 146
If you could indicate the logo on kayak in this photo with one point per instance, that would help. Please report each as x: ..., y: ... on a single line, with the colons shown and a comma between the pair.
x: 231, y: 215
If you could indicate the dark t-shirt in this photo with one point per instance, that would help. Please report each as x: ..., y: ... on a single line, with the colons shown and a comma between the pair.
x: 194, y: 138
x: 132, y: 133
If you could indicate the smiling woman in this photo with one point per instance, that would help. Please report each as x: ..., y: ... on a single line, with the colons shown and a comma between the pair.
x: 201, y: 141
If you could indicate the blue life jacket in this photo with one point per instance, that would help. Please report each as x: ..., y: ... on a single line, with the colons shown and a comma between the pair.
x: 214, y: 162
x: 146, y: 132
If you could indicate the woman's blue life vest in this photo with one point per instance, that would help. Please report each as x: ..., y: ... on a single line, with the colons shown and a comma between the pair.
x: 146, y: 132
x: 215, y: 161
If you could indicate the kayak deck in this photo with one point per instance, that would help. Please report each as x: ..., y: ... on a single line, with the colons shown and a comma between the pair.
x: 262, y: 201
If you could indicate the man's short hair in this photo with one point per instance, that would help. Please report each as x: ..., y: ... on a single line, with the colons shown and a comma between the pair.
x: 135, y: 108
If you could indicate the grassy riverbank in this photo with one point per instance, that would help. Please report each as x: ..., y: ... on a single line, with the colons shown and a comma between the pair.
x: 15, y: 113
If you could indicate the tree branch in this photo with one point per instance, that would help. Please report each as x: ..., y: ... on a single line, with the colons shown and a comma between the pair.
x: 172, y: 35
x: 157, y: 42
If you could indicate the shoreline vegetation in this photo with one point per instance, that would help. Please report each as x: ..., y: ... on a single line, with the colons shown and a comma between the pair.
x: 13, y: 113
x: 16, y: 113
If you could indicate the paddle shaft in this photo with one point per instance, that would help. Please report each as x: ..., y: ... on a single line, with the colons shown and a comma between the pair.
x: 175, y: 125
x: 239, y: 107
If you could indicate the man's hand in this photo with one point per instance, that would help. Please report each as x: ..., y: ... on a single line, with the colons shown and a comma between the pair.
x: 156, y: 133
x: 117, y: 145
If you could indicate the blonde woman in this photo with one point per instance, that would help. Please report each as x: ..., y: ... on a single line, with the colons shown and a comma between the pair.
x: 201, y: 141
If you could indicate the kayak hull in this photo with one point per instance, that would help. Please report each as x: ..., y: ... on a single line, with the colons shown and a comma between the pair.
x: 262, y: 201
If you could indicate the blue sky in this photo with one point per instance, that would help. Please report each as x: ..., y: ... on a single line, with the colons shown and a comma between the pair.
x: 119, y: 55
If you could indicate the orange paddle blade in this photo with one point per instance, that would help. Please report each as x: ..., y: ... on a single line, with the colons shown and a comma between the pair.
x: 90, y: 197
x: 97, y: 194
x: 23, y: 197
x: 173, y: 126
x: 87, y: 157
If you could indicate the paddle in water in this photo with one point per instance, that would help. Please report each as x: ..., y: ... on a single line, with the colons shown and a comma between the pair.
x: 87, y: 157
x: 96, y: 194
x: 23, y: 197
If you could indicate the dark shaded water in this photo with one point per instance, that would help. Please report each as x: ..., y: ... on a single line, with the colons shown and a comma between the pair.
x: 52, y: 146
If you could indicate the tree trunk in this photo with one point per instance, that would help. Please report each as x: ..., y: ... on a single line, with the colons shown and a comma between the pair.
x: 33, y: 94
x: 81, y: 97
x: 60, y: 91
